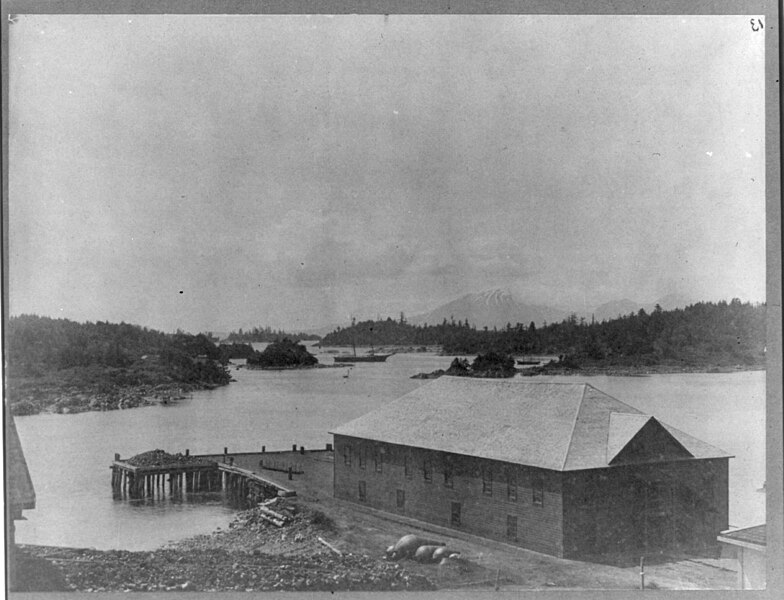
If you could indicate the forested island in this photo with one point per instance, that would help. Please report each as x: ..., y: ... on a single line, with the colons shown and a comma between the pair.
x: 282, y: 354
x: 487, y: 366
x: 702, y: 336
x: 63, y: 366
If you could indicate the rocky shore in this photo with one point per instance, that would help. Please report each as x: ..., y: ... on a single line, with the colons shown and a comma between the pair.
x: 331, y: 547
x: 252, y: 555
x: 31, y: 400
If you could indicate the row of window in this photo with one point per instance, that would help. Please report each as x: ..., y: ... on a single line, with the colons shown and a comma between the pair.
x: 456, y: 510
x: 537, y: 481
x: 378, y: 459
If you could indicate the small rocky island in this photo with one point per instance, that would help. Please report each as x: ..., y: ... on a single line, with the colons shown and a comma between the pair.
x: 489, y: 365
x: 282, y: 354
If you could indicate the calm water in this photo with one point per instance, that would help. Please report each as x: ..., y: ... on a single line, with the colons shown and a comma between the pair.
x: 69, y: 455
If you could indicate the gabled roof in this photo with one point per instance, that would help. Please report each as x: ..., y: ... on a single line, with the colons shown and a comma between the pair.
x: 623, y: 427
x: 558, y: 426
x: 19, y: 487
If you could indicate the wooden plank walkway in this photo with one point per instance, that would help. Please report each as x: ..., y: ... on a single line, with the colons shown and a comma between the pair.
x: 245, y: 477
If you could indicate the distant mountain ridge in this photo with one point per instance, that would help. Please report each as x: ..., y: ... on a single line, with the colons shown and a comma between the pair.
x: 490, y: 308
x: 497, y: 307
x: 614, y: 309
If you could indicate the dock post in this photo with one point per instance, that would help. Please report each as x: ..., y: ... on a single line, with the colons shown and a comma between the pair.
x: 290, y: 474
x: 294, y: 447
x: 263, y: 449
x: 187, y: 452
x: 302, y: 449
x: 329, y: 447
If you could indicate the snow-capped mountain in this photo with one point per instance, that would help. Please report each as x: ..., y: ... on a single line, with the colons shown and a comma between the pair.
x: 490, y: 308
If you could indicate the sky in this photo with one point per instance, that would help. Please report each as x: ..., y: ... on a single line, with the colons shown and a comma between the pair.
x: 208, y: 173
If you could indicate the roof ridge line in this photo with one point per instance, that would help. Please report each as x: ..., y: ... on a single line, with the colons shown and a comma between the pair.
x: 574, y: 426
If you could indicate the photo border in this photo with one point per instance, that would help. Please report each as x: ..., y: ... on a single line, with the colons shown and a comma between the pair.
x: 769, y: 10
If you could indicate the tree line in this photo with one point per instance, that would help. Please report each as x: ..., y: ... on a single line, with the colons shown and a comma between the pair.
x: 267, y: 334
x: 719, y: 333
x: 38, y: 347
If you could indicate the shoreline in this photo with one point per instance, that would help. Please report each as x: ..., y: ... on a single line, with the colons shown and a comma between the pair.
x: 635, y: 371
x: 330, y: 546
x: 54, y: 399
x: 251, y: 555
x: 608, y: 371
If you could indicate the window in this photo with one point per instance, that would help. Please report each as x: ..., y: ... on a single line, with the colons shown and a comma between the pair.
x: 487, y: 481
x: 537, y: 485
x: 361, y: 457
x: 448, y: 473
x: 511, y: 527
x: 347, y: 455
x: 408, y: 471
x: 401, y: 499
x: 427, y: 470
x: 455, y: 518
x: 511, y: 486
x: 378, y: 459
x: 362, y: 491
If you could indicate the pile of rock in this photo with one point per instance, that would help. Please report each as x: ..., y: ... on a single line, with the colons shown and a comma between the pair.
x: 161, y: 458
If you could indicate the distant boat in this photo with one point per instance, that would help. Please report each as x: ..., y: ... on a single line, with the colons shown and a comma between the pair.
x: 371, y: 357
x: 348, y: 358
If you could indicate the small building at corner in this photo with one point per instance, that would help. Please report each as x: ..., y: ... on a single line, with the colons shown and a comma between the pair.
x: 748, y: 546
x: 559, y: 468
x: 19, y: 494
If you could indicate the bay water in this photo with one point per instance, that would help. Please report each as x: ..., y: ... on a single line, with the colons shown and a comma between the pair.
x: 69, y: 455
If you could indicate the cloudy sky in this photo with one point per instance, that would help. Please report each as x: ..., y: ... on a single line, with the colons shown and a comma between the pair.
x: 216, y: 172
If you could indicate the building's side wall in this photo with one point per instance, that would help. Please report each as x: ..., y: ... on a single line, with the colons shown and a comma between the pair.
x: 486, y: 510
x: 676, y: 506
x: 751, y: 569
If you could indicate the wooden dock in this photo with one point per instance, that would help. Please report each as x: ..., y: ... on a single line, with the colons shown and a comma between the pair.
x: 209, y: 473
x: 137, y: 482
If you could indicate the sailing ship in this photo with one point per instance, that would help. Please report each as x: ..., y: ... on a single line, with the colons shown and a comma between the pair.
x: 372, y: 356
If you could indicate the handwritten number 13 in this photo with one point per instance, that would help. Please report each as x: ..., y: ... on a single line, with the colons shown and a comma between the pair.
x: 756, y: 24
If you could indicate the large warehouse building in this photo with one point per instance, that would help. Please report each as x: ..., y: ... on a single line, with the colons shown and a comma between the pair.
x: 559, y: 468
